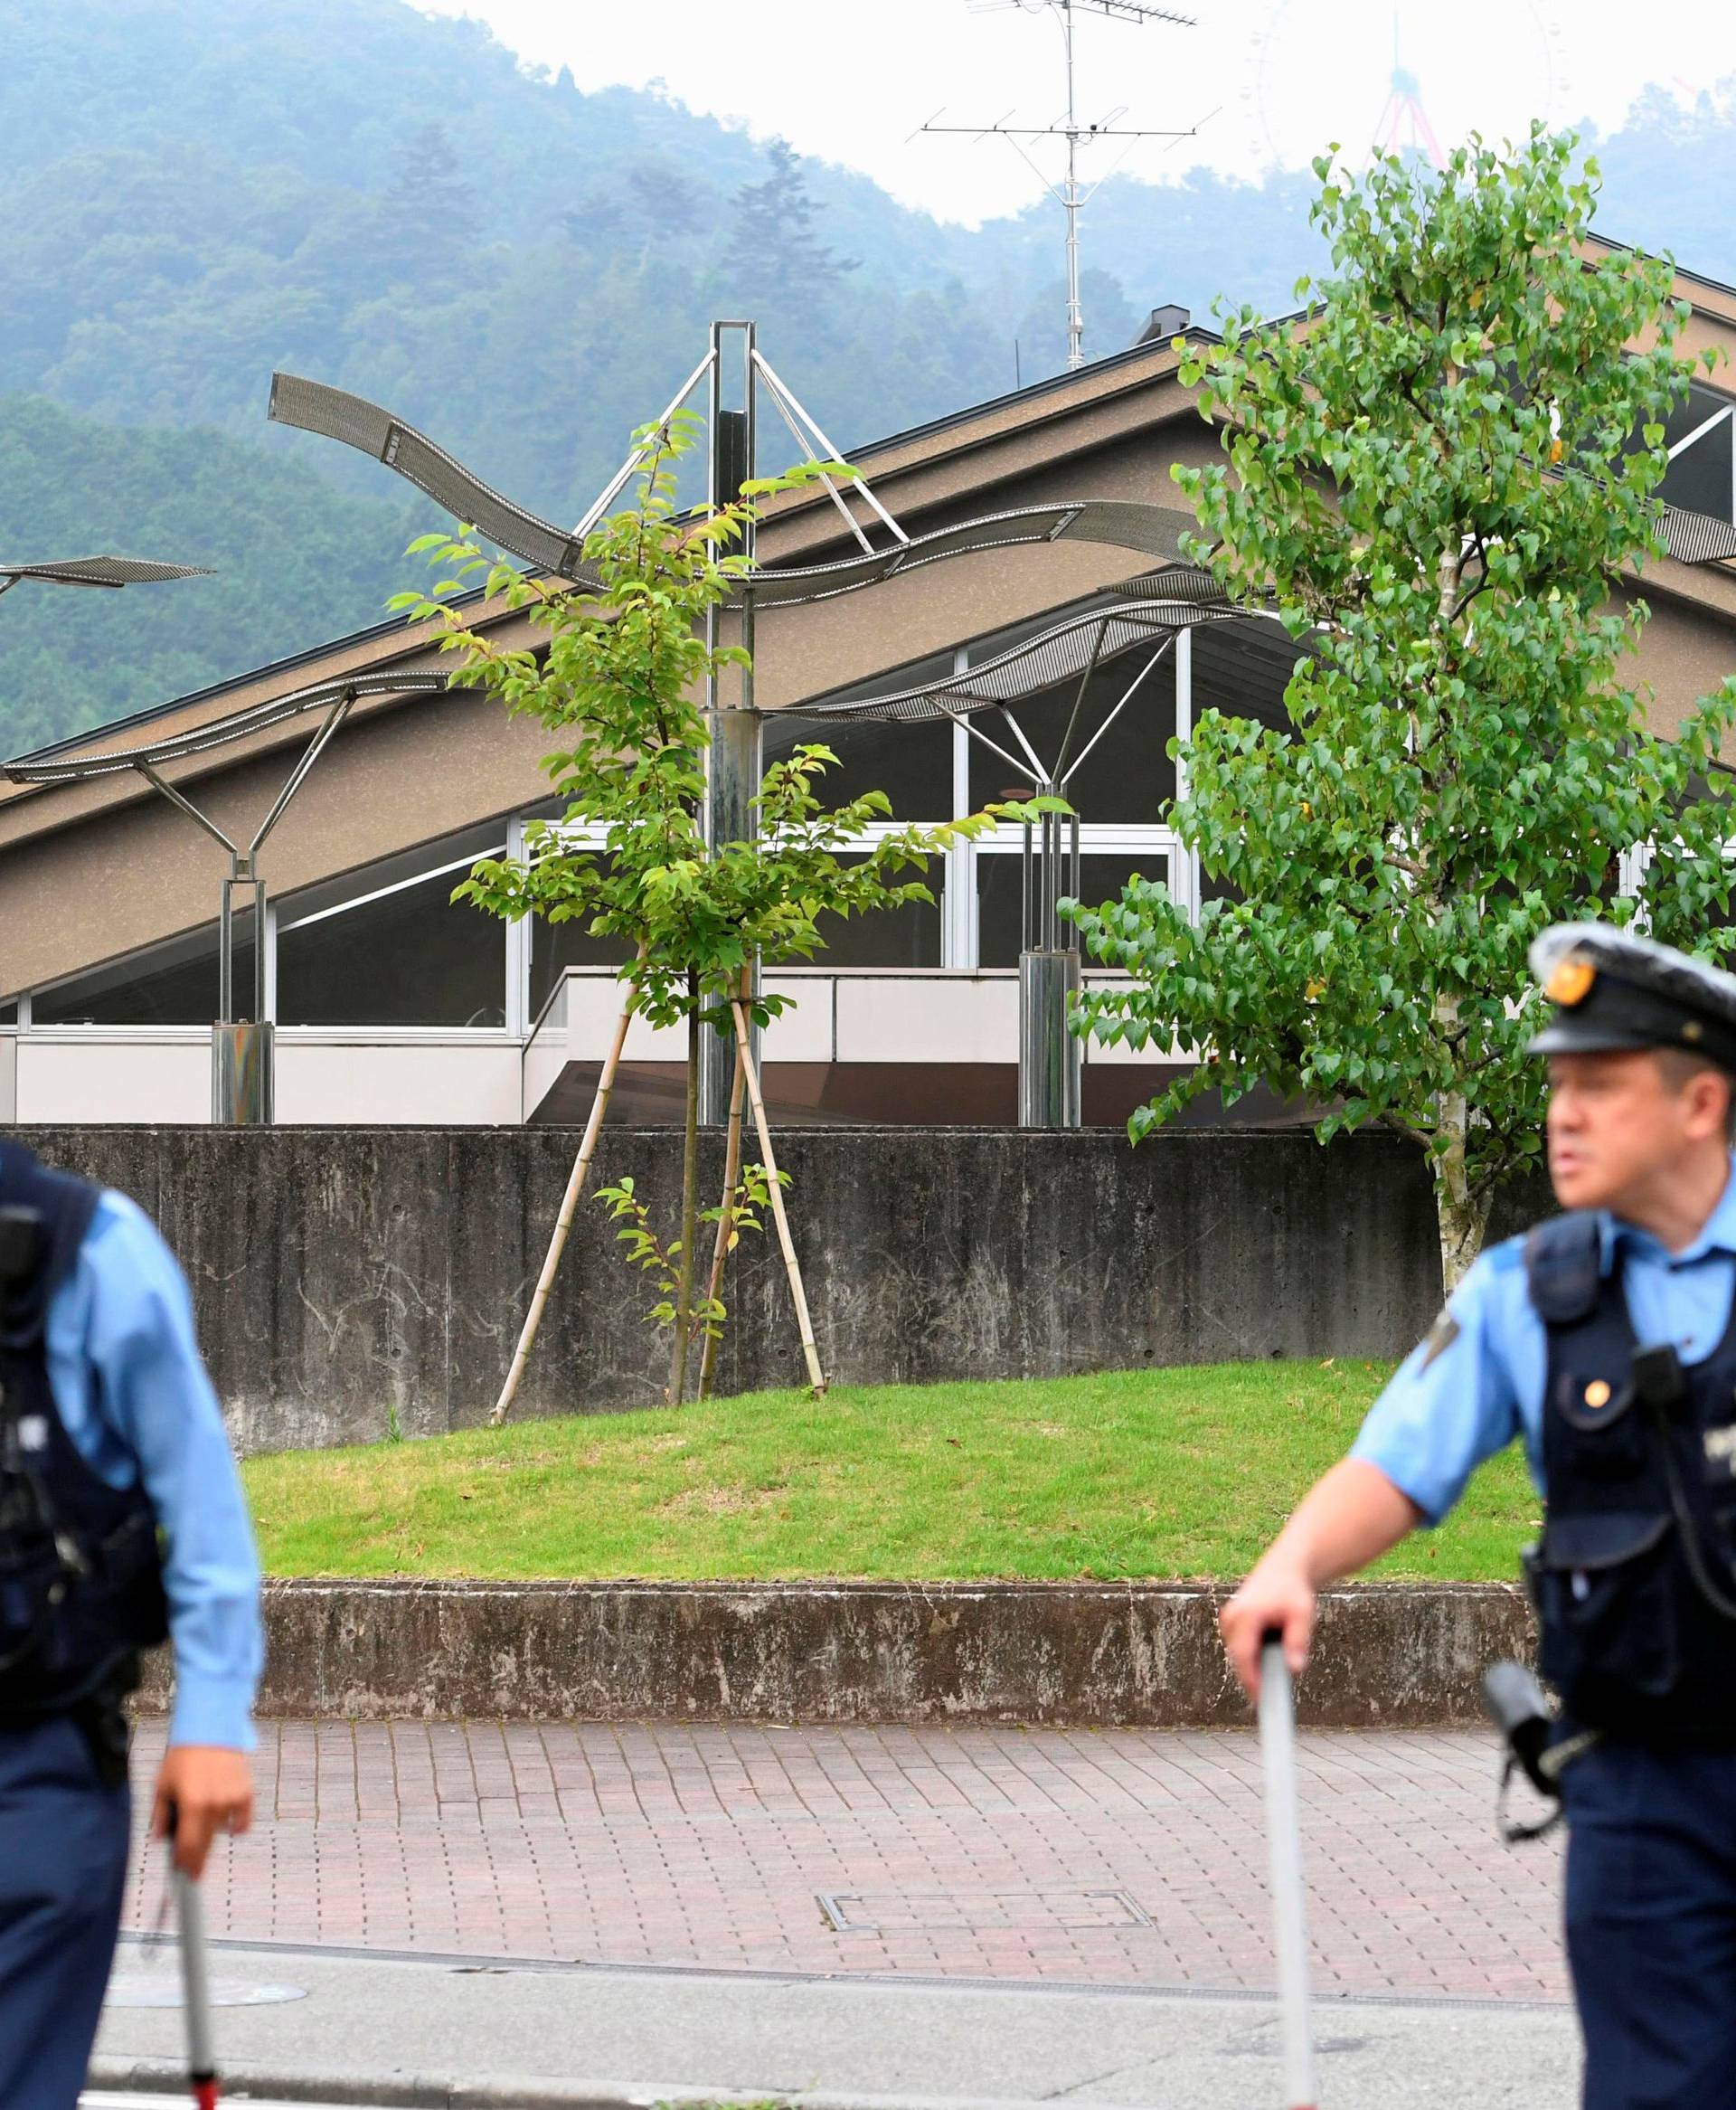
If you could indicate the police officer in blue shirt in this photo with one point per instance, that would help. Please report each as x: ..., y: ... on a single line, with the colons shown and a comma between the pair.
x: 121, y: 1522
x: 1607, y: 1341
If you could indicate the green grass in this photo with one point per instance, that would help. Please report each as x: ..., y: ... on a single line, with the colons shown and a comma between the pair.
x: 1181, y: 1472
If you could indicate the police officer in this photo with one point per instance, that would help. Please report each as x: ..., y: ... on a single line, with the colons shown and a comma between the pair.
x: 1605, y: 1339
x: 121, y: 1522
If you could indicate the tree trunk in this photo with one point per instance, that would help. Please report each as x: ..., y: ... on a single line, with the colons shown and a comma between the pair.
x: 563, y: 1222
x: 689, y: 1208
x: 726, y: 1222
x: 804, y: 1325
x: 1462, y: 1214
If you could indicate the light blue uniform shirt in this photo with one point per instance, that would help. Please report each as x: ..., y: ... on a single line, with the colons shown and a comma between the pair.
x: 132, y: 1392
x: 1477, y: 1381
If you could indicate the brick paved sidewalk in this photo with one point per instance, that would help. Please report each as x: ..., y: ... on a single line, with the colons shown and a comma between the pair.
x: 1124, y: 1858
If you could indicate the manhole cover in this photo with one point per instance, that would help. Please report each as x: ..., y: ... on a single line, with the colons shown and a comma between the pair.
x: 885, y: 1912
x: 162, y: 1989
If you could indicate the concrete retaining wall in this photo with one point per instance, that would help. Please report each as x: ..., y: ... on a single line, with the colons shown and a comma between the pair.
x: 1387, y: 1655
x: 344, y: 1276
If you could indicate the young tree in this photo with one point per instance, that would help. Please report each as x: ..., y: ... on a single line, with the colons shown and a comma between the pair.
x: 619, y: 678
x: 1441, y: 484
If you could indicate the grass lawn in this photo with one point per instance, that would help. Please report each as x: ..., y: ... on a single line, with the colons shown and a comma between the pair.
x: 1183, y: 1473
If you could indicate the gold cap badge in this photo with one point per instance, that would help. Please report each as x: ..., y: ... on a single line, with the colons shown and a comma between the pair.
x: 1597, y: 1393
x: 1569, y: 981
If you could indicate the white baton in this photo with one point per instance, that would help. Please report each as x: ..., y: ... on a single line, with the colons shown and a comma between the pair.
x: 195, y: 1987
x: 1284, y: 1846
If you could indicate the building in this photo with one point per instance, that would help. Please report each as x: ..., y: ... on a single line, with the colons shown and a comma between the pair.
x: 392, y: 1005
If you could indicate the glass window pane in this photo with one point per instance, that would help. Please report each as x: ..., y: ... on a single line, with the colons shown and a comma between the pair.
x: 1127, y: 777
x: 1101, y: 878
x: 411, y: 957
x: 906, y: 936
x: 9, y: 1013
x: 555, y: 946
x: 910, y: 762
x: 1699, y: 479
x: 165, y: 985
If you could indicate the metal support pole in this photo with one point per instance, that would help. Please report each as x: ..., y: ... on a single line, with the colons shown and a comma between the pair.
x: 1051, y: 1057
x: 733, y: 762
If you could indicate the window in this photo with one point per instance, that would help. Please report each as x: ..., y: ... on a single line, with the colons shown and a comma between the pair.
x: 999, y: 893
x: 408, y: 955
x: 555, y: 946
x: 1702, y: 476
x: 911, y: 761
x: 175, y: 984
x: 9, y: 1013
x: 1127, y: 776
x: 906, y: 936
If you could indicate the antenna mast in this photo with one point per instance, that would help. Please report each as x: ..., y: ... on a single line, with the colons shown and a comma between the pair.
x: 1067, y: 194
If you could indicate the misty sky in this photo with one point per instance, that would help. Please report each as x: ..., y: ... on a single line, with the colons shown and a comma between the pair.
x: 1266, y: 80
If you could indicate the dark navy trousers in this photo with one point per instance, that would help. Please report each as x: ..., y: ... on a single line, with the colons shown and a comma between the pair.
x: 62, y: 1867
x: 1651, y: 1924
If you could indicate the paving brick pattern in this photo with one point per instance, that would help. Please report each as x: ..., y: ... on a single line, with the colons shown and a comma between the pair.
x: 977, y: 1852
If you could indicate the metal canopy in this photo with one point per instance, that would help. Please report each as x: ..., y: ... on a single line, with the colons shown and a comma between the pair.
x: 1177, y: 598
x: 1154, y: 531
x: 336, y: 414
x: 99, y: 572
x: 1696, y: 538
x: 346, y: 688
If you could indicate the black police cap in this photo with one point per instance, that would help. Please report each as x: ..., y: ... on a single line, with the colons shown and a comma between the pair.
x: 1614, y: 989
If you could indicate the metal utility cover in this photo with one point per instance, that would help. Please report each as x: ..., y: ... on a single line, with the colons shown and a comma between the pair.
x: 886, y: 1912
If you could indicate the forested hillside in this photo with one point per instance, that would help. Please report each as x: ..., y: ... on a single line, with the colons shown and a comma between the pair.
x: 202, y: 190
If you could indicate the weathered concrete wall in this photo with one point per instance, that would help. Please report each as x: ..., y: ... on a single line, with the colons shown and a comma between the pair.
x: 343, y: 1275
x: 1386, y: 1655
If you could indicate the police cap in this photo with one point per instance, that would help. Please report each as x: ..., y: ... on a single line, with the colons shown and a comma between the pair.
x: 1614, y: 989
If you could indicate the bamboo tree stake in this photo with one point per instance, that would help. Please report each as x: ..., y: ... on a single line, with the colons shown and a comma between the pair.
x: 815, y: 1376
x: 563, y: 1222
x: 689, y: 1206
x: 720, y: 1244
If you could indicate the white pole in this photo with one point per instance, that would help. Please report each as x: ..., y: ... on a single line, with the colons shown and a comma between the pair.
x: 1284, y: 1845
x: 196, y: 1988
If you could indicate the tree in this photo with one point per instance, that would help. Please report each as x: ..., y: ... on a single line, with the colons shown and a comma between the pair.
x: 619, y: 680
x: 774, y: 251
x: 1440, y: 485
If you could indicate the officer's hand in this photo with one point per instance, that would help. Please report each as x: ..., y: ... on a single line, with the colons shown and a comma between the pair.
x: 201, y: 1791
x: 1278, y: 1596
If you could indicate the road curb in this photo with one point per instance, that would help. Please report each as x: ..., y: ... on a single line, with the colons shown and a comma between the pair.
x: 264, y: 2085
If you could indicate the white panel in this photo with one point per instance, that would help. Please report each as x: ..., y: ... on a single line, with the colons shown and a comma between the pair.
x: 334, y: 1083
x: 941, y: 1017
x: 805, y: 1033
x: 8, y: 1078
x: 93, y: 1076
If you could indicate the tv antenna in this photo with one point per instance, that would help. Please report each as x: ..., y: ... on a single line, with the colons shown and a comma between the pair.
x: 1067, y: 194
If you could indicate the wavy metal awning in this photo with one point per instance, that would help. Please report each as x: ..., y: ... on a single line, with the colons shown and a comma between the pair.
x: 336, y: 414
x: 61, y: 768
x: 101, y: 572
x: 1175, y: 599
x: 1696, y: 538
x: 1151, y: 531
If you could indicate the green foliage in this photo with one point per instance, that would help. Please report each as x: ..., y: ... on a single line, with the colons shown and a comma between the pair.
x: 621, y: 682
x: 292, y: 561
x: 653, y: 1256
x: 204, y: 189
x: 1440, y: 486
